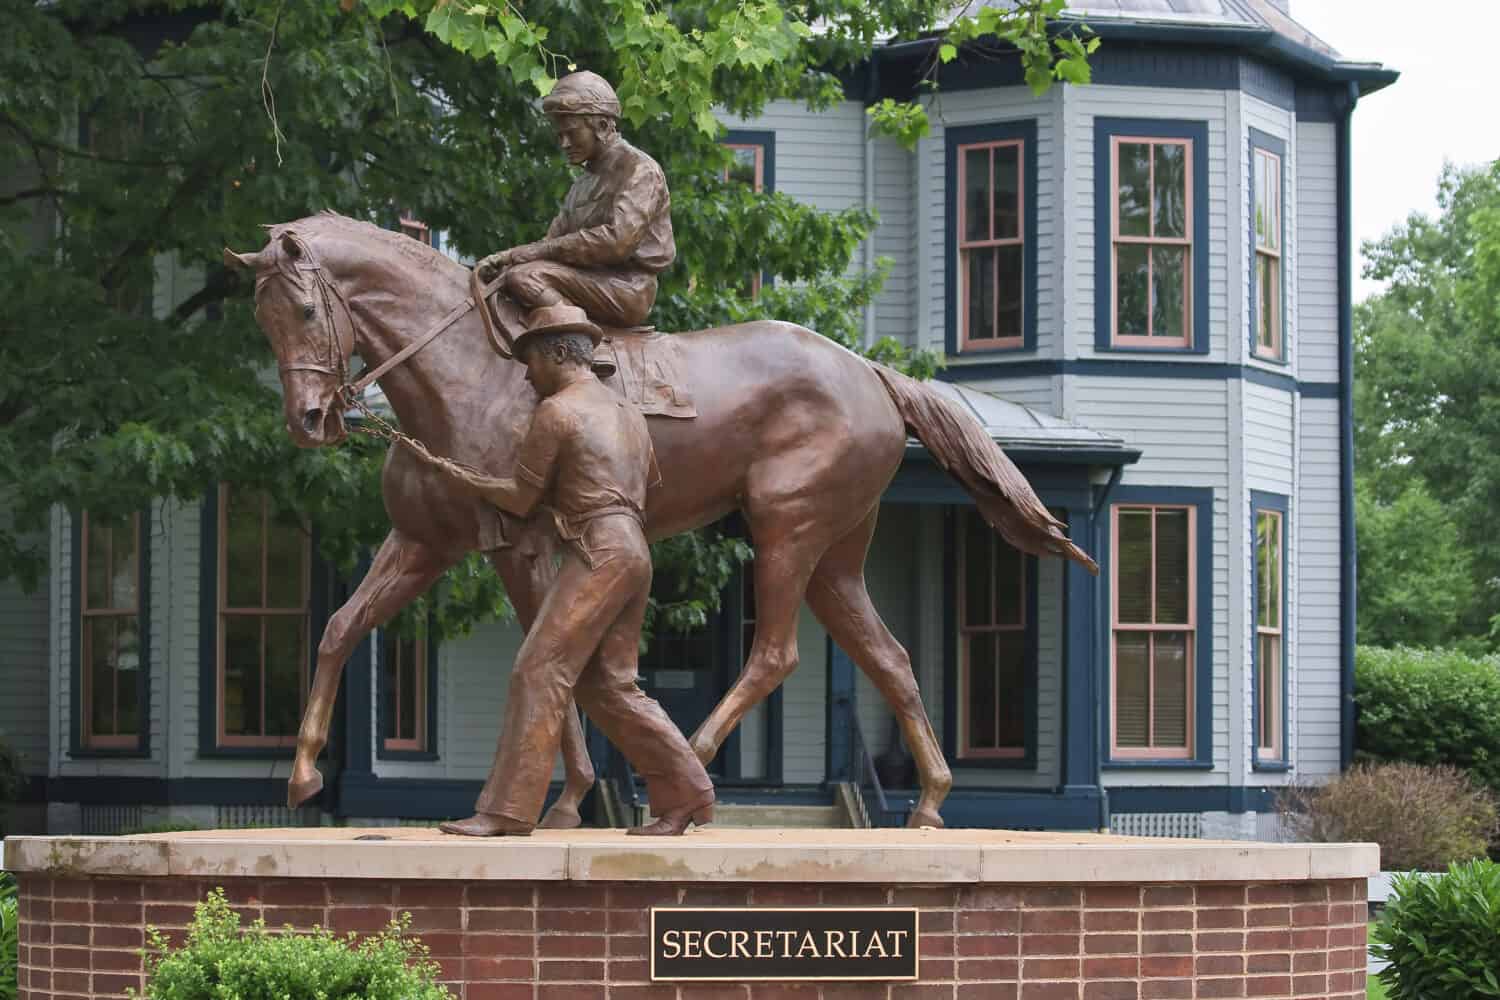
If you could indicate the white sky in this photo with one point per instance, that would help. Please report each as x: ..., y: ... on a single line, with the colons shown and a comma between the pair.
x: 1446, y: 106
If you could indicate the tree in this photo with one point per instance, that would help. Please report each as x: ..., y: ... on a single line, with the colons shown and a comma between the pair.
x: 135, y: 134
x: 1427, y: 421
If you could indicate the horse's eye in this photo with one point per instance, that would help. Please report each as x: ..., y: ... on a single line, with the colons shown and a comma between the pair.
x: 307, y: 311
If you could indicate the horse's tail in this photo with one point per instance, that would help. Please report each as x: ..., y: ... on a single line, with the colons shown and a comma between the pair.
x: 959, y: 444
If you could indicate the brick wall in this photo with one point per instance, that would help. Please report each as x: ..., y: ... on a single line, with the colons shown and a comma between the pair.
x: 587, y: 941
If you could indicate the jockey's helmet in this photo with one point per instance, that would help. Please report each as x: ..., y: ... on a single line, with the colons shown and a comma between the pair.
x: 582, y: 93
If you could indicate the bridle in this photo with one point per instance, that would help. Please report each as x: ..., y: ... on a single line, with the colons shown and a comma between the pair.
x: 334, y: 363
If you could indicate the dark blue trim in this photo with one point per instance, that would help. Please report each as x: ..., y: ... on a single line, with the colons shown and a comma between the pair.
x: 1271, y: 144
x: 1080, y: 809
x: 840, y: 710
x: 1260, y: 501
x: 1218, y: 798
x: 412, y: 798
x: 124, y: 790
x: 1025, y: 130
x: 1319, y: 104
x: 1117, y: 367
x: 1347, y: 540
x: 208, y: 639
x: 77, y: 723
x: 383, y: 704
x: 1197, y: 133
x: 1081, y: 752
x: 1202, y: 499
x: 951, y: 655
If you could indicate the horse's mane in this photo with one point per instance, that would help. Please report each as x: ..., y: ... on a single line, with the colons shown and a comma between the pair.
x: 331, y: 223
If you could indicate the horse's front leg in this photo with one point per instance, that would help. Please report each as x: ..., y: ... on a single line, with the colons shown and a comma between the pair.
x: 401, y: 571
x: 528, y: 571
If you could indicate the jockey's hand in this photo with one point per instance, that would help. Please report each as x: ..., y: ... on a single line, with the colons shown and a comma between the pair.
x: 492, y: 265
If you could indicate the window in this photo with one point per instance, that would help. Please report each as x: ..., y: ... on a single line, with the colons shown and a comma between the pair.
x: 110, y: 678
x: 1267, y: 235
x: 406, y: 692
x: 990, y: 244
x: 993, y: 656
x: 752, y: 164
x: 415, y: 228
x: 1151, y: 276
x: 264, y: 560
x: 1153, y: 251
x: 1153, y: 644
x: 1269, y: 522
x: 992, y: 236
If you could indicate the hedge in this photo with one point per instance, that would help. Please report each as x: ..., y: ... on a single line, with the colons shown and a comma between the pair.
x: 1441, y: 935
x: 1430, y: 707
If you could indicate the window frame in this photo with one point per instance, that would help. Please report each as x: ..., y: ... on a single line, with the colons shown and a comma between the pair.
x: 1200, y: 501
x: 1021, y: 132
x: 81, y: 744
x: 1265, y: 144
x: 954, y: 679
x: 764, y: 142
x: 1280, y: 757
x: 1108, y: 134
x: 394, y: 748
x: 211, y: 577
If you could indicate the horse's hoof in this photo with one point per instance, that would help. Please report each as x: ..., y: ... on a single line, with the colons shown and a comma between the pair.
x: 925, y: 816
x: 299, y: 790
x: 561, y: 817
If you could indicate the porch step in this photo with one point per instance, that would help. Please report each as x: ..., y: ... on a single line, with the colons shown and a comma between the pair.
x: 736, y: 814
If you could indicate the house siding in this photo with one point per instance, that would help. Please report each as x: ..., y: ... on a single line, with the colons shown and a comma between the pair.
x: 1316, y: 276
x: 1315, y: 669
x: 894, y: 307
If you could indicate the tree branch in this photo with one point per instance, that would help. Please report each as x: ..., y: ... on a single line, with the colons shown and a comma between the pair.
x: 30, y: 193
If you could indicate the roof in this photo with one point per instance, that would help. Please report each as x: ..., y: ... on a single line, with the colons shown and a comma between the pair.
x: 1018, y: 428
x: 1261, y: 27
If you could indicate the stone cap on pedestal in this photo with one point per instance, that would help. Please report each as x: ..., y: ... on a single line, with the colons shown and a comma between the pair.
x: 890, y: 857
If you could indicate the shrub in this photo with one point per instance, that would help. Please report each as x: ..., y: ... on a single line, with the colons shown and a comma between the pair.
x: 1430, y: 707
x: 222, y: 960
x: 1441, y: 935
x: 1422, y: 817
x: 10, y: 932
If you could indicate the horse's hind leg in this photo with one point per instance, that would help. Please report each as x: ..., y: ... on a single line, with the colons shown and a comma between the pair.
x: 838, y: 597
x: 402, y: 570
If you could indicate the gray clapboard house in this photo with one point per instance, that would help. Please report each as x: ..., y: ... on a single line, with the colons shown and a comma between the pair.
x: 1142, y: 288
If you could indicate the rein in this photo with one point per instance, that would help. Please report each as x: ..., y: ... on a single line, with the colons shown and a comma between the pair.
x: 351, y: 394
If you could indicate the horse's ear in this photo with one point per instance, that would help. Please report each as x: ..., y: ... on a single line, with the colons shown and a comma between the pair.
x: 248, y: 261
x: 290, y: 247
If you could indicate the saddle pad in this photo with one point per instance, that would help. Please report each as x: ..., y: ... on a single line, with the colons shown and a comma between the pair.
x: 649, y: 374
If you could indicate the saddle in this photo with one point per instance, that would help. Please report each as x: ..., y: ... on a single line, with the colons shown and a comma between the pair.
x: 640, y: 364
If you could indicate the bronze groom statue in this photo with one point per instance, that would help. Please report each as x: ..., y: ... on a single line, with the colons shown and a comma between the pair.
x: 588, y: 456
x: 614, y: 234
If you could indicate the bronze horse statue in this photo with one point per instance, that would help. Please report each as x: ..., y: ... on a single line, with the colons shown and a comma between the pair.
x: 798, y: 434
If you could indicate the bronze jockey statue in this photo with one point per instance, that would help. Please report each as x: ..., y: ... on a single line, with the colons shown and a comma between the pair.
x: 588, y: 458
x: 614, y: 234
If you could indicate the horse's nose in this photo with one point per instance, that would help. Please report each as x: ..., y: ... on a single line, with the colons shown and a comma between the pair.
x: 312, y: 420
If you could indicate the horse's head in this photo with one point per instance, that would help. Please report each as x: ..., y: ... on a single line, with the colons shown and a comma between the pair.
x: 311, y: 332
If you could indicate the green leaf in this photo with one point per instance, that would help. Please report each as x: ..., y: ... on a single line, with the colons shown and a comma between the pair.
x: 947, y: 52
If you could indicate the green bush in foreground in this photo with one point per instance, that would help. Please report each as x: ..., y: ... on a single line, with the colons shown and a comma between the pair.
x: 1430, y: 707
x: 9, y: 935
x: 222, y: 961
x: 1441, y: 934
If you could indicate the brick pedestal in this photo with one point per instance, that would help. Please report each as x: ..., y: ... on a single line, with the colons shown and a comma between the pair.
x: 83, y: 915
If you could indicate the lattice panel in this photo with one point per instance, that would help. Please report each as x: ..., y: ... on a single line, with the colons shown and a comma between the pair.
x: 108, y: 821
x: 1156, y: 824
x: 233, y: 817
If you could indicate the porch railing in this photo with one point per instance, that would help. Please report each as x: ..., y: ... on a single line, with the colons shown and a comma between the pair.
x: 877, y: 806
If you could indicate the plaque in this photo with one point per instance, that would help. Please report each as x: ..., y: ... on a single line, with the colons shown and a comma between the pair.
x: 744, y: 944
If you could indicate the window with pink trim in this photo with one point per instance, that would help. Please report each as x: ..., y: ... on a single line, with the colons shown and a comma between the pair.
x: 403, y: 665
x: 1153, y: 630
x: 265, y: 573
x: 1152, y: 226
x: 110, y: 631
x: 1270, y: 739
x: 1267, y: 184
x: 991, y: 244
x: 415, y: 228
x: 747, y: 167
x: 992, y: 643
